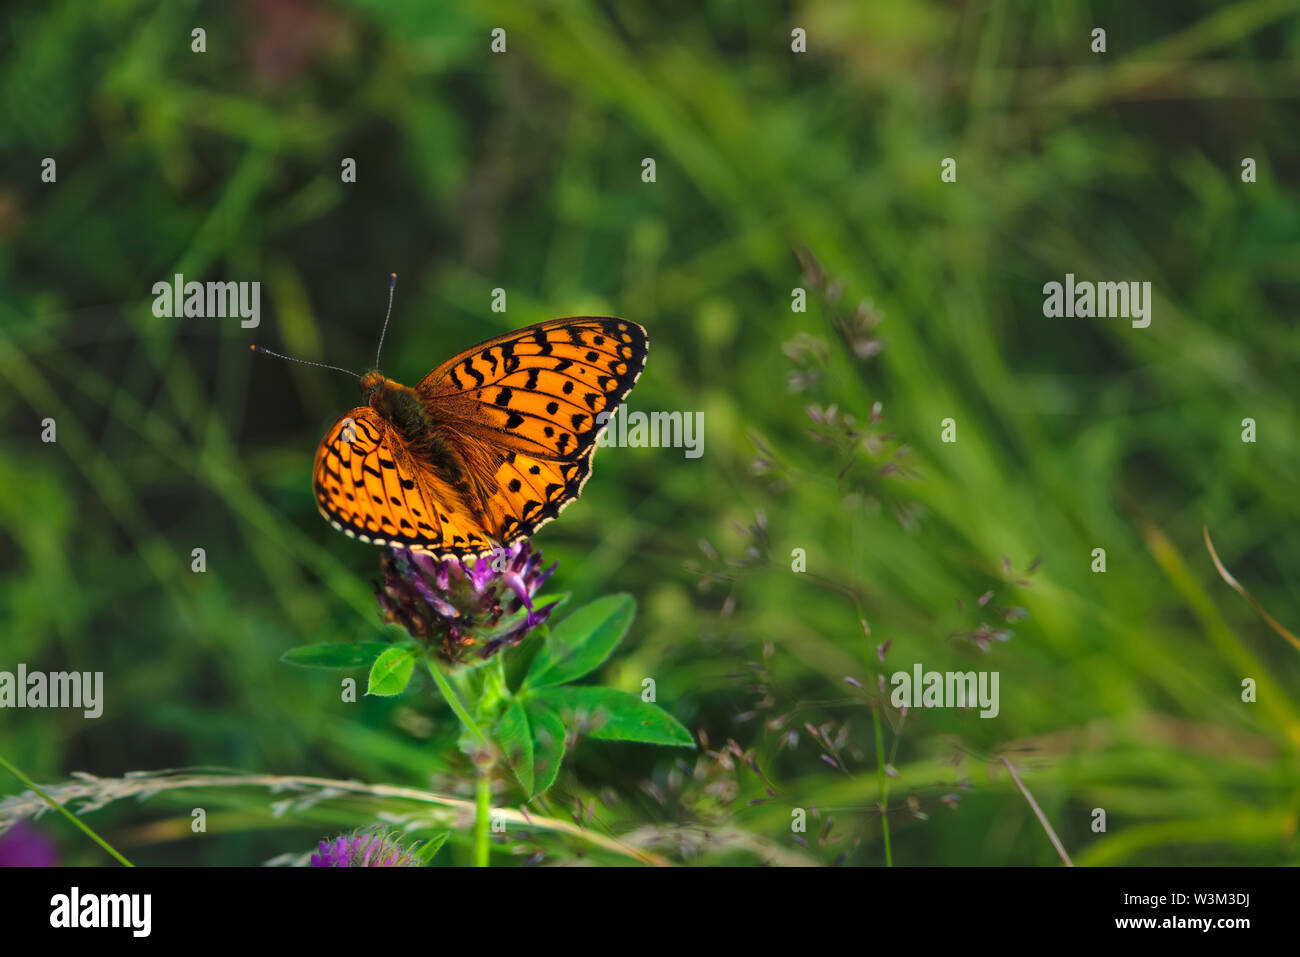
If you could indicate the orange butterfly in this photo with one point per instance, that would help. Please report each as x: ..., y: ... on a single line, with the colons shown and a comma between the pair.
x: 487, y: 448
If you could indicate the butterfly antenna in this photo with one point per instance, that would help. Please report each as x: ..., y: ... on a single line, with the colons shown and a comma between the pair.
x: 392, y: 285
x: 319, y: 365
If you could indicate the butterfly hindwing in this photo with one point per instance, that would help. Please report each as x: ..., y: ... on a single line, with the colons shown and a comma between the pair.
x: 369, y: 486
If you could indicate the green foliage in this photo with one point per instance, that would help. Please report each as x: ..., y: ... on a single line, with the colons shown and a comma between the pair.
x: 392, y: 671
x: 516, y: 740
x: 549, y: 739
x: 535, y: 720
x: 427, y: 849
x: 613, y: 715
x: 580, y: 643
x: 341, y: 654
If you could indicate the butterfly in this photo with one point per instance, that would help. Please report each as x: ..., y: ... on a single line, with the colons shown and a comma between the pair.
x: 485, y: 449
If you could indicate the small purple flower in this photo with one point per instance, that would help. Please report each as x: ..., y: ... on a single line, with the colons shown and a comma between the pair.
x: 368, y: 848
x: 24, y: 846
x: 458, y: 607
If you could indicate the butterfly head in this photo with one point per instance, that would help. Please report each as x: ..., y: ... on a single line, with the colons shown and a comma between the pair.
x: 398, y: 404
x: 371, y: 383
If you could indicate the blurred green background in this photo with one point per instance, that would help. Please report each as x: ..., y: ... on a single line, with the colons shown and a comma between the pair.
x: 522, y: 170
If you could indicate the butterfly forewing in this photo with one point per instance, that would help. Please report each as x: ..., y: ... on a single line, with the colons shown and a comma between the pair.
x: 540, y: 390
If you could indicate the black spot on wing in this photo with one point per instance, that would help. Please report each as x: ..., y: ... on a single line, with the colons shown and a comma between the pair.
x: 468, y: 366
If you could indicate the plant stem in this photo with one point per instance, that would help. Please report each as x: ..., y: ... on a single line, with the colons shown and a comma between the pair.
x: 453, y: 700
x: 883, y: 780
x: 483, y: 782
x: 65, y: 812
x: 1038, y: 812
x: 482, y: 814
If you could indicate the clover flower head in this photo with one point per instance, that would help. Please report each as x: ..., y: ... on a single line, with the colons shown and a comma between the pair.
x: 24, y: 846
x: 462, y: 607
x: 364, y: 848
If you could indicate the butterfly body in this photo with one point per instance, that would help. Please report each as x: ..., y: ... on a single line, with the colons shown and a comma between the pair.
x: 399, y: 405
x: 486, y: 448
x: 402, y: 408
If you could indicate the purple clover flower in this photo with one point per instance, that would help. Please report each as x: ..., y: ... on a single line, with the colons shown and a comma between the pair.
x: 24, y: 846
x: 457, y: 606
x: 369, y: 848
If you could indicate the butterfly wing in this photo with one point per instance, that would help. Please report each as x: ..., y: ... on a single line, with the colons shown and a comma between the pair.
x: 524, y: 411
x: 369, y: 486
x: 540, y: 389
